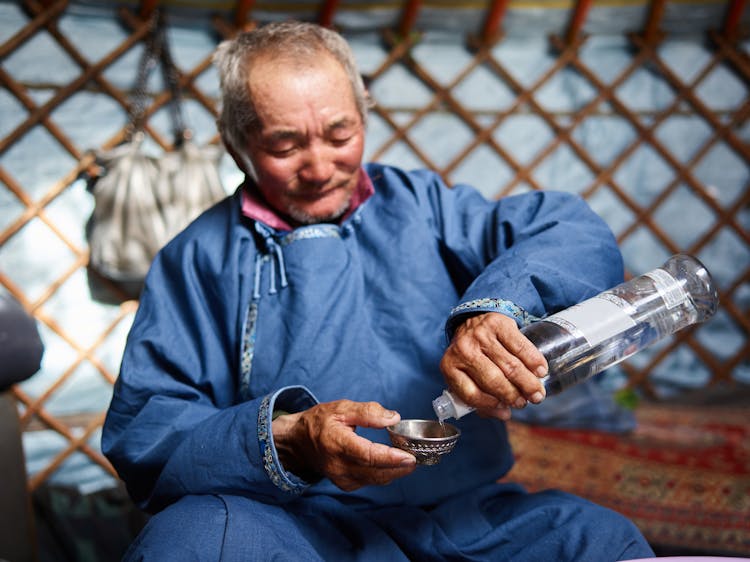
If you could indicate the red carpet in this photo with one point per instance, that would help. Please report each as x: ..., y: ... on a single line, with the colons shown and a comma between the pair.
x: 683, y: 476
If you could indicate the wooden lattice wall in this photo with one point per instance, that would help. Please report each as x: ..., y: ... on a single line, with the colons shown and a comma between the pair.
x: 727, y: 129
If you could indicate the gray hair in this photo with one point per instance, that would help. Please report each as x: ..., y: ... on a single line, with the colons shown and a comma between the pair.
x: 299, y: 42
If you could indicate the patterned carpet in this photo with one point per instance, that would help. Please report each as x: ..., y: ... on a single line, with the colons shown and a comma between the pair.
x: 683, y: 476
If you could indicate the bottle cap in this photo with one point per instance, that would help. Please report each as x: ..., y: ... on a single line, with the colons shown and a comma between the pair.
x: 448, y: 406
x: 443, y: 407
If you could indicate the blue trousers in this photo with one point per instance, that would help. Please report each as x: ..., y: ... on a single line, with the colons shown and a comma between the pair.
x: 498, y: 522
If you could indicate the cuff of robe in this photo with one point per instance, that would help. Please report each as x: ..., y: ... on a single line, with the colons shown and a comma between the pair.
x: 291, y: 399
x: 465, y: 310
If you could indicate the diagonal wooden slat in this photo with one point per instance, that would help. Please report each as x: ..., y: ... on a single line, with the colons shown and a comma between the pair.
x: 83, y: 354
x: 20, y: 93
x: 63, y: 93
x: 76, y: 443
x: 646, y: 135
x: 483, y: 135
x: 78, y: 58
x: 32, y: 210
x: 526, y: 96
x: 29, y: 30
x: 398, y: 50
x: 688, y: 94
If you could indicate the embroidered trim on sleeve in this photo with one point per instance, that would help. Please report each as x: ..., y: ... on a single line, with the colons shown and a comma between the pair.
x: 285, y: 481
x: 496, y: 305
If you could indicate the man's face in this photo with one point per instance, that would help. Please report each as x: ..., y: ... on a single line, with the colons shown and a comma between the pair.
x: 308, y: 147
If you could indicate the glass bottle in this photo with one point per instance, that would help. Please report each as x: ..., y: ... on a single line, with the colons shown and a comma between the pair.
x: 587, y: 338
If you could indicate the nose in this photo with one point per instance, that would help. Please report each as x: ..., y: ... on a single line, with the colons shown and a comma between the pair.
x: 318, y: 165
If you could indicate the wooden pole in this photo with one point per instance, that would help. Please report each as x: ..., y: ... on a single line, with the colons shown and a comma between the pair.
x: 577, y: 20
x: 409, y: 17
x: 732, y: 18
x: 328, y: 13
x: 493, y: 21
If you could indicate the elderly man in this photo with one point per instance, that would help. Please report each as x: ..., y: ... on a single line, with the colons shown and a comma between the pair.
x: 288, y: 326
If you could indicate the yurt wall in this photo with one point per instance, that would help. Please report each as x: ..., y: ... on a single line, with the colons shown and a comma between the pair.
x: 641, y: 108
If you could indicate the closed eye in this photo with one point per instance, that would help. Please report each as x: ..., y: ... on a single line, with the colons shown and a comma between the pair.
x: 282, y: 152
x: 338, y: 141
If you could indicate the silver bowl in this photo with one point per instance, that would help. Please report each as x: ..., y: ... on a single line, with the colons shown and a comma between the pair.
x: 427, y: 440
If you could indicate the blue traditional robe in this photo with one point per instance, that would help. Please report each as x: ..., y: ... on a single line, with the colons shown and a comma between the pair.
x: 238, y: 319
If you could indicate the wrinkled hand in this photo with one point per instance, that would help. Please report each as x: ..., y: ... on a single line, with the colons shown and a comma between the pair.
x: 493, y: 367
x: 322, y: 441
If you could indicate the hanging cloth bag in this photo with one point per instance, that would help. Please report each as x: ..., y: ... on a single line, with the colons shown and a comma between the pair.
x: 142, y: 201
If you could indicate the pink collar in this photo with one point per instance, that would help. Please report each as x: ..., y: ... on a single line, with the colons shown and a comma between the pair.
x: 254, y: 207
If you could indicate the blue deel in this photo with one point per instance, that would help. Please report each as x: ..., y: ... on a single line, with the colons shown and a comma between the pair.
x: 238, y: 320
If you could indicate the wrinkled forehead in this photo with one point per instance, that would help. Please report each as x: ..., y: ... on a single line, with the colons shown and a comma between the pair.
x: 273, y: 77
x: 295, y: 61
x: 286, y: 94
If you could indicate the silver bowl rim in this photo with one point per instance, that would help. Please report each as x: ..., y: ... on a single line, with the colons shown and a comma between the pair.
x: 457, y: 432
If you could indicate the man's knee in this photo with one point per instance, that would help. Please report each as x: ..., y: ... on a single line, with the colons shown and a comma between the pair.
x: 222, y: 527
x: 620, y: 537
x: 588, y: 531
x: 190, y: 529
x: 625, y: 533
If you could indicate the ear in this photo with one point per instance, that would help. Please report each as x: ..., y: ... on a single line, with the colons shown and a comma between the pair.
x: 366, y: 81
x: 242, y: 160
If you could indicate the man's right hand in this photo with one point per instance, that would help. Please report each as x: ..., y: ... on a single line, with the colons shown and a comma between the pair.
x: 491, y: 366
x: 322, y: 442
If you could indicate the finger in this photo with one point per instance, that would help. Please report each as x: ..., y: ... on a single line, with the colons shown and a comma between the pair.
x: 366, y: 463
x: 342, y: 442
x: 522, y: 348
x: 462, y: 381
x: 382, y: 476
x: 525, y: 383
x: 492, y: 380
x: 357, y: 477
x: 369, y: 414
x: 377, y: 455
x: 379, y: 463
x: 506, y: 332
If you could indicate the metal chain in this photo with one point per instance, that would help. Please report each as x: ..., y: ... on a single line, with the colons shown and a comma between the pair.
x: 156, y: 51
x: 171, y: 79
x: 139, y: 98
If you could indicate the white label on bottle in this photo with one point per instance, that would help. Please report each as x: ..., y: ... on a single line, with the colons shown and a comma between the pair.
x: 668, y: 287
x: 596, y: 319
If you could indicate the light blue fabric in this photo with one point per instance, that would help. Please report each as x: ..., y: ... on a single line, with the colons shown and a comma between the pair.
x: 238, y: 320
